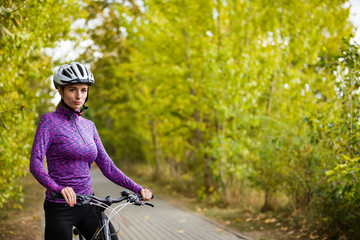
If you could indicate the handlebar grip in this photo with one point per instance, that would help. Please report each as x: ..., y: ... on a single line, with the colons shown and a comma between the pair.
x: 56, y: 195
x: 141, y: 198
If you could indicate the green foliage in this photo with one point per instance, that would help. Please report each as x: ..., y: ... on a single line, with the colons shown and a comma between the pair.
x: 337, y: 197
x: 346, y: 69
x: 26, y: 28
x: 339, y: 200
x: 346, y: 174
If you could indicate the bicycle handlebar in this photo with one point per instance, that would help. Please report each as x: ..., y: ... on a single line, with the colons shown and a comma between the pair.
x: 135, y: 199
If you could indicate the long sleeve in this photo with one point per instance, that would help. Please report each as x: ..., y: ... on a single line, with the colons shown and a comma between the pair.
x: 109, y: 169
x: 42, y: 141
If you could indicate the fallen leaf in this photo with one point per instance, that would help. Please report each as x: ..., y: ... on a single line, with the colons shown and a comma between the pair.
x: 180, y: 231
x: 239, y: 220
x: 182, y: 220
x: 270, y: 220
x: 146, y: 218
x: 218, y: 230
x: 312, y: 237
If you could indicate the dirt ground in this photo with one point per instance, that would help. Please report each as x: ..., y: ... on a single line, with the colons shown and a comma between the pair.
x: 25, y: 223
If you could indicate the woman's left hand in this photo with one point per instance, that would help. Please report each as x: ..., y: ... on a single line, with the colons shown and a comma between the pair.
x: 146, y: 194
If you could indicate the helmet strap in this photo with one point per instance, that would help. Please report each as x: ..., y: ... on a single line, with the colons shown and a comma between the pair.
x: 84, y: 106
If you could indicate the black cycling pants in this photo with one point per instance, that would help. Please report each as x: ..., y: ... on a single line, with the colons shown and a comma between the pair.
x: 60, y: 219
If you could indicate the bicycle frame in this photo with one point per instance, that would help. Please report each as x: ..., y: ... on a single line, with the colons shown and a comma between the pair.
x: 103, y: 231
x: 103, y: 227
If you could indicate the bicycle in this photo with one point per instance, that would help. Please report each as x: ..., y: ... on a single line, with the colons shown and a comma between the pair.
x: 103, y: 231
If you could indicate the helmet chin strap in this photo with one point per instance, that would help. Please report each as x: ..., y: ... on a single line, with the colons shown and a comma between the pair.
x: 84, y: 107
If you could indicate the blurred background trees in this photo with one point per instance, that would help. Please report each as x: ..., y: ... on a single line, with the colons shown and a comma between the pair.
x: 217, y: 97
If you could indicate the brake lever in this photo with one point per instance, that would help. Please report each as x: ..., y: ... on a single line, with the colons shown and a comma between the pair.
x: 82, y: 200
x: 149, y: 204
x: 137, y: 200
x: 138, y: 203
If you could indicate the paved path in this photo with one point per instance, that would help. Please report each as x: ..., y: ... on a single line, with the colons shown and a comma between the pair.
x: 163, y: 222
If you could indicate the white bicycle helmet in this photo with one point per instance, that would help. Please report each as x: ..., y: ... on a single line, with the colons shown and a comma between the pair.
x: 73, y: 72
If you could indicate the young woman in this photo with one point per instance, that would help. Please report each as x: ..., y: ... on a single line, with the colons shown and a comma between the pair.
x: 71, y: 144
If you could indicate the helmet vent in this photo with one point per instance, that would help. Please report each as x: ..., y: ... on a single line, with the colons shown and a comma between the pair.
x: 72, y: 69
x: 80, y: 69
x: 65, y: 73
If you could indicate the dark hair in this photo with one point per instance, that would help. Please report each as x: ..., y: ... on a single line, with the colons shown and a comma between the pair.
x: 58, y: 105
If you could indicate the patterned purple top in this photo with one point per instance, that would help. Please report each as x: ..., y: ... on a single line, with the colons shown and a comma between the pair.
x: 71, y: 144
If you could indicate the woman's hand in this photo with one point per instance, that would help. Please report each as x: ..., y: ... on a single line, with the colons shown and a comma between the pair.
x: 146, y: 194
x: 69, y: 196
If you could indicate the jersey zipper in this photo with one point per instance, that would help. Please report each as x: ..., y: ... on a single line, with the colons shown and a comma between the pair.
x: 78, y: 128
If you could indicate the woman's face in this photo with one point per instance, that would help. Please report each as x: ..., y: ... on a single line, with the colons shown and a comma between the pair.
x: 74, y: 95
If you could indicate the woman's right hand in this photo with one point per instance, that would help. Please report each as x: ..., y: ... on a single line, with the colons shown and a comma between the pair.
x: 69, y: 196
x: 146, y: 194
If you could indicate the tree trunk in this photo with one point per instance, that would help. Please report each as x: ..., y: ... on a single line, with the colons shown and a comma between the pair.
x: 198, y: 139
x: 267, y: 204
x: 154, y: 142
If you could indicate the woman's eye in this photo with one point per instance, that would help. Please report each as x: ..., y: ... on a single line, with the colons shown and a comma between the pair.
x: 84, y: 90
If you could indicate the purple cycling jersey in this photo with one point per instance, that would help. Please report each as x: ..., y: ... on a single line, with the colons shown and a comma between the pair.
x: 71, y: 144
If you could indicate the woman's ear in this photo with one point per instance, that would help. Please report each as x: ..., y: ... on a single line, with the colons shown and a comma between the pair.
x: 60, y: 91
